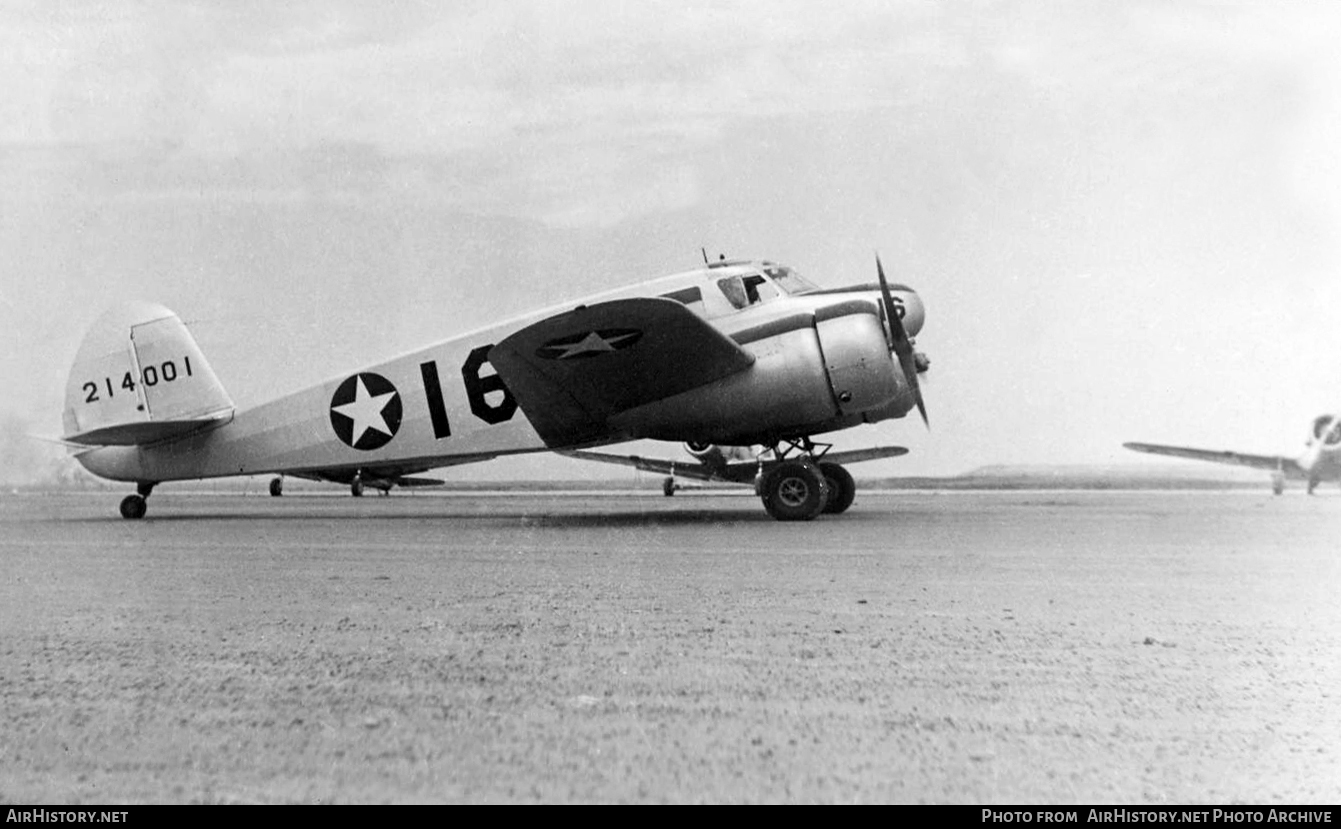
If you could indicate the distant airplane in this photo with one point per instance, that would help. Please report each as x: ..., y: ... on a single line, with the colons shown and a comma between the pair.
x: 733, y: 353
x: 745, y: 465
x: 1320, y: 462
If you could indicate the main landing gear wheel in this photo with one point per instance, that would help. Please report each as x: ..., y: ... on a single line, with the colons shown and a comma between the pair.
x: 1277, y: 484
x: 356, y: 488
x: 668, y: 487
x: 794, y: 491
x: 842, y: 489
x: 276, y: 487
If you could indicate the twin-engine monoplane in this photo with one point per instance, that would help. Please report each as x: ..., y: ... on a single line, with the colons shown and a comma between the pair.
x: 1320, y: 462
x: 735, y: 353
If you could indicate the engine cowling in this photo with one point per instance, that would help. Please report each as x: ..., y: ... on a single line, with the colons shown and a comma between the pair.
x: 813, y: 373
x: 861, y: 371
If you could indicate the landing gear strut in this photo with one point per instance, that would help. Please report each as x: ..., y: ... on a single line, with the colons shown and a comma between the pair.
x: 133, y: 507
x: 800, y: 487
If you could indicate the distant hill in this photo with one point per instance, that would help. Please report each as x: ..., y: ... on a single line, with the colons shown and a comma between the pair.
x: 1125, y: 476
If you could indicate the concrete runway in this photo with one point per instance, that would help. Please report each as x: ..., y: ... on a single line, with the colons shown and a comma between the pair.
x: 986, y: 648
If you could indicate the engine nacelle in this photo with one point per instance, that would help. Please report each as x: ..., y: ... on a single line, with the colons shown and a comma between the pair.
x: 715, y: 456
x: 813, y: 373
x: 862, y: 373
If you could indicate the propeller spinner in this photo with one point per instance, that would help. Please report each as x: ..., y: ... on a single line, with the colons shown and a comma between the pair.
x: 899, y: 342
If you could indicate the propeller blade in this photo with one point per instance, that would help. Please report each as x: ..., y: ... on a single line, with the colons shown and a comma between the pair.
x: 899, y: 342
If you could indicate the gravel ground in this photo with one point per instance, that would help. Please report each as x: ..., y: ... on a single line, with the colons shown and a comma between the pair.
x: 1026, y: 647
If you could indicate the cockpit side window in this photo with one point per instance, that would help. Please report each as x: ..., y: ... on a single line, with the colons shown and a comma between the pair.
x: 748, y: 290
x: 759, y: 289
x: 733, y: 287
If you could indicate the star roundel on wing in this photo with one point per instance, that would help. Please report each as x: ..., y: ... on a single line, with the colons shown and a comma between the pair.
x: 366, y: 411
x: 589, y: 344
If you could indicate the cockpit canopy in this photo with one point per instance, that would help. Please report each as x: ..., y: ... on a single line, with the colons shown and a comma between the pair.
x: 1327, y: 428
x: 734, y: 285
x: 769, y: 282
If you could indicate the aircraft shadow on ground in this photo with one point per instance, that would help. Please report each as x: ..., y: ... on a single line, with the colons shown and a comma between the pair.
x: 521, y: 518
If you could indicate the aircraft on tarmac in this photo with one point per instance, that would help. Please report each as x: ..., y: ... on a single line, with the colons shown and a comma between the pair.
x: 744, y: 465
x: 1320, y: 462
x: 733, y: 353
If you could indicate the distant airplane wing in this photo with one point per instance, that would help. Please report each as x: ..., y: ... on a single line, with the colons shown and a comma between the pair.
x: 572, y: 371
x: 742, y: 472
x: 1271, y: 463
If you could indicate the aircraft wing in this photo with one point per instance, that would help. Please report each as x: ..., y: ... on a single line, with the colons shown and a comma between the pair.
x: 738, y: 473
x: 741, y: 472
x: 571, y: 372
x: 1270, y: 463
x: 399, y: 477
x: 875, y: 453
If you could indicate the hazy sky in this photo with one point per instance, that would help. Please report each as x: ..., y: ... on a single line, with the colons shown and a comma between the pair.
x: 1124, y: 218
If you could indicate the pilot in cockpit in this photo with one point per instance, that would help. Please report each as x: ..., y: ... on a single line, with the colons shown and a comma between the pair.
x: 743, y: 292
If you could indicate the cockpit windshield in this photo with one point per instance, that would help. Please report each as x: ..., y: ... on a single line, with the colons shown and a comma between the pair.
x: 787, y: 279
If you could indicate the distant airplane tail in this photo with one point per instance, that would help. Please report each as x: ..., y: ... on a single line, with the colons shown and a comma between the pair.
x: 140, y: 378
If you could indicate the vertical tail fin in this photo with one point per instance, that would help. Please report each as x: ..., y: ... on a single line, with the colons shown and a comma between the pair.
x: 139, y: 377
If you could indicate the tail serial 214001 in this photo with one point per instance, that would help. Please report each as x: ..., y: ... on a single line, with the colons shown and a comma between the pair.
x: 733, y: 353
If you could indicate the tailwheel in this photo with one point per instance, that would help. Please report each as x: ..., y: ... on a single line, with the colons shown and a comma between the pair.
x: 794, y: 491
x: 133, y: 507
x: 842, y: 489
x: 276, y: 487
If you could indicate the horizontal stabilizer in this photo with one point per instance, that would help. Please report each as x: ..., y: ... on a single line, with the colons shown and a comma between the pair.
x: 140, y: 378
x: 139, y: 434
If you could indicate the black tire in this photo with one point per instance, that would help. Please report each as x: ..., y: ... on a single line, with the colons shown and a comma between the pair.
x: 668, y: 487
x: 356, y: 488
x: 276, y: 487
x: 133, y: 507
x: 842, y: 489
x: 794, y: 491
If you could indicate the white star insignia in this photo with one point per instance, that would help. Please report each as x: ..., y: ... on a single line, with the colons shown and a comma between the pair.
x: 365, y: 411
x: 593, y: 343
